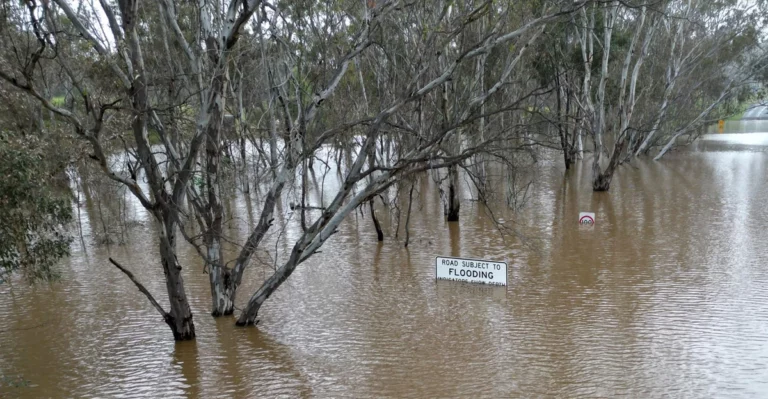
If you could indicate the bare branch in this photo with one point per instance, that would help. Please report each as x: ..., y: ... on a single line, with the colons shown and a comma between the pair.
x: 143, y: 290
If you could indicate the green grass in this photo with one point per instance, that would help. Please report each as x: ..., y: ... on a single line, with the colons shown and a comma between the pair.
x: 737, y: 116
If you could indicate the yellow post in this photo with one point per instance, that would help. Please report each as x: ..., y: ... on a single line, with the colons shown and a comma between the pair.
x: 720, y: 126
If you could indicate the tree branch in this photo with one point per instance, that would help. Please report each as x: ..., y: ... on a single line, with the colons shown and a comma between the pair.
x: 143, y: 290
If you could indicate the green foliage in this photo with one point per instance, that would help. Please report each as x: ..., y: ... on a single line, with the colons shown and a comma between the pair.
x: 31, y: 214
x: 154, y: 137
x: 58, y: 101
x: 735, y: 109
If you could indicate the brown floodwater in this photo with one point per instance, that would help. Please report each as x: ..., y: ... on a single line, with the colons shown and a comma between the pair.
x: 666, y: 296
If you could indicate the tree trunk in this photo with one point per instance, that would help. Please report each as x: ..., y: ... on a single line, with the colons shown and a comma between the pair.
x: 580, y: 144
x: 179, y: 317
x: 601, y: 181
x: 408, y: 217
x: 222, y: 303
x: 231, y: 280
x: 567, y: 158
x: 376, y: 224
x: 479, y: 159
x: 251, y: 311
x: 669, y: 145
x: 452, y: 210
x: 218, y: 274
x: 562, y: 127
x: 244, y: 172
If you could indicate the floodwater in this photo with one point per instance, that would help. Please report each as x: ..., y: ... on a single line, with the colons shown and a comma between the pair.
x: 666, y: 296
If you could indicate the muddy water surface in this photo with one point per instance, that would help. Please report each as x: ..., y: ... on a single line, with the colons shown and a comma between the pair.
x: 667, y: 296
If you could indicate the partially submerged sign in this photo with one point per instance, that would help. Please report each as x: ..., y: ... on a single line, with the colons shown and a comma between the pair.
x: 587, y: 219
x: 471, y: 270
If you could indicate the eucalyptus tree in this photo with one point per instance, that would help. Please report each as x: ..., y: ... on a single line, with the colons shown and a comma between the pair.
x: 626, y: 47
x: 313, y: 57
x: 558, y: 65
x: 119, y: 44
x: 710, y: 58
x: 173, y: 70
x: 412, y: 51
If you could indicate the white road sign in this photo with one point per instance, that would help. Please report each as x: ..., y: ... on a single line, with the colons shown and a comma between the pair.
x: 587, y: 219
x: 471, y: 270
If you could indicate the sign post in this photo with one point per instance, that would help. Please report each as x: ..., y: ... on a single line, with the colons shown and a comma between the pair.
x: 471, y: 270
x: 720, y: 126
x: 587, y: 218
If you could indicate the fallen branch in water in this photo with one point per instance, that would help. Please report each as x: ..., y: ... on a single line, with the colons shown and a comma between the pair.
x: 143, y: 290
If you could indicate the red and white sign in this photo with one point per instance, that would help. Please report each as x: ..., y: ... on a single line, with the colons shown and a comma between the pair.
x: 586, y: 219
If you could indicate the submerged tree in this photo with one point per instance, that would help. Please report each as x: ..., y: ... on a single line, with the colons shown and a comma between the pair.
x: 633, y: 77
x: 106, y: 75
x: 679, y: 40
x: 392, y: 88
x: 425, y: 99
